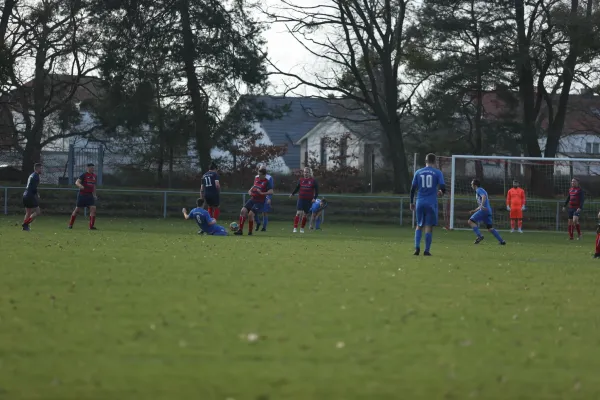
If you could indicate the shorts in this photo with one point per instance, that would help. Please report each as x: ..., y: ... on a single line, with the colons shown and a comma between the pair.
x: 30, y: 202
x: 212, y: 200
x: 426, y: 214
x: 268, y: 207
x: 254, y: 207
x: 573, y: 213
x: 516, y: 213
x: 304, y: 205
x: 315, y: 208
x: 482, y: 216
x: 85, y: 200
x: 218, y: 230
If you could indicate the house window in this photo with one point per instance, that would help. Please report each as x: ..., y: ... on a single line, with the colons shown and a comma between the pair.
x: 588, y: 148
x: 343, y: 151
x: 596, y: 148
x: 592, y: 148
x: 323, y: 152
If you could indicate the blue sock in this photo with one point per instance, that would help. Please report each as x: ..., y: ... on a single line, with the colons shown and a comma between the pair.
x: 265, y: 221
x: 256, y: 220
x: 318, y: 223
x: 497, y: 235
x: 428, y: 240
x: 477, y: 231
x: 418, y: 234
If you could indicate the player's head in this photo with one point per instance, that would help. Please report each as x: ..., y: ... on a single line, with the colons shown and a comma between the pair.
x: 575, y: 182
x: 323, y: 202
x: 212, y: 166
x: 307, y: 172
x: 37, y: 167
x: 515, y: 183
x: 199, y: 203
x: 475, y: 183
x: 262, y: 169
x: 90, y: 168
x: 430, y: 159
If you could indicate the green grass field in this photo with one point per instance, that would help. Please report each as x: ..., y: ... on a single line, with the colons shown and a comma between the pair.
x: 147, y: 309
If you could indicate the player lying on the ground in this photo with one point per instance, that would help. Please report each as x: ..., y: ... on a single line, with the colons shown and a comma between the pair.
x: 483, y: 213
x: 308, y: 192
x: 258, y: 194
x: 575, y: 202
x: 86, y: 196
x: 263, y: 219
x: 208, y: 225
x: 425, y: 183
x: 315, y: 213
x: 515, y: 203
x: 210, y: 190
x: 31, y: 197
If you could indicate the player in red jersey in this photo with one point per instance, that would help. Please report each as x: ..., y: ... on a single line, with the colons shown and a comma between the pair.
x: 86, y: 196
x: 261, y: 188
x: 308, y: 192
x: 575, y: 203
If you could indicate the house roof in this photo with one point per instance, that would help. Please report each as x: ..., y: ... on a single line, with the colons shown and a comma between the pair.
x: 304, y: 114
x: 583, y: 111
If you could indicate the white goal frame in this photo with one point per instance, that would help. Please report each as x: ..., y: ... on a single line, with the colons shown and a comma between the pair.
x: 501, y: 158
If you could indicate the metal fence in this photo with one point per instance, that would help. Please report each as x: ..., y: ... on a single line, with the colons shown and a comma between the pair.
x: 541, y: 214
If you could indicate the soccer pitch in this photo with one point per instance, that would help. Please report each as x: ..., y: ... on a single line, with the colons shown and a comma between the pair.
x: 148, y: 309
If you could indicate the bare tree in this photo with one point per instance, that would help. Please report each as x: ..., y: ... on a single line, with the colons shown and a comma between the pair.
x: 364, y: 43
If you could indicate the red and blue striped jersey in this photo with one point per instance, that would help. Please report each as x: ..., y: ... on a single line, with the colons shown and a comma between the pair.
x: 88, y: 181
x: 262, y: 185
x: 575, y: 198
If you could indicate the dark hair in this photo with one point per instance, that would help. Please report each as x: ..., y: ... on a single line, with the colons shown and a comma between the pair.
x: 263, y: 170
x: 430, y: 158
x: 91, y: 165
x: 213, y: 165
x: 37, y: 165
x: 476, y: 182
x: 199, y: 202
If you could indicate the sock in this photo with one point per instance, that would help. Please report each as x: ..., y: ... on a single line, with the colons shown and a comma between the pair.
x: 418, y: 234
x: 217, y: 212
x: 428, y: 240
x: 296, y: 220
x: 477, y: 231
x: 303, y: 222
x: 512, y: 224
x: 241, y: 223
x: 265, y: 221
x: 210, y: 212
x: 598, y: 243
x: 578, y: 229
x: 520, y: 223
x: 496, y: 235
x: 256, y: 218
x: 250, y: 225
x: 318, y: 222
x: 92, y: 221
x: 27, y: 221
x: 72, y: 221
x: 571, y: 231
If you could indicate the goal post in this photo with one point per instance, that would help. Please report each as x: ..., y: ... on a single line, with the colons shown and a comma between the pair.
x: 546, y: 182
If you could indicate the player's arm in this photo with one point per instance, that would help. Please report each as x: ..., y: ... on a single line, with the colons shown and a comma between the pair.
x: 217, y: 183
x: 79, y: 182
x: 441, y: 183
x: 296, y: 190
x: 202, y: 191
x: 523, y: 199
x: 567, y: 201
x: 413, y: 191
x: 483, y: 195
x: 272, y: 187
x: 185, y: 213
x: 269, y: 188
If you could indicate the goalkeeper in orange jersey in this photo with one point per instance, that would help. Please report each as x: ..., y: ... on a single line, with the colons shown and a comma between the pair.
x: 515, y: 203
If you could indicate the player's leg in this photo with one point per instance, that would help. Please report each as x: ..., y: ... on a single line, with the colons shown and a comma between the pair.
x: 430, y: 222
x: 251, y: 219
x: 512, y: 225
x: 571, y: 227
x: 92, y: 217
x: 298, y: 215
x: 420, y: 217
x: 220, y: 231
x: 75, y: 212
x: 256, y: 220
x: 576, y: 225
x: 305, y: 209
x: 318, y: 220
x: 474, y: 224
x: 243, y: 216
x: 493, y: 231
x: 33, y: 213
x: 265, y: 221
x: 28, y: 212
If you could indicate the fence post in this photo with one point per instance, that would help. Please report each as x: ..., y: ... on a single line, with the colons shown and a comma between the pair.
x: 557, y: 216
x: 5, y: 201
x: 165, y: 204
x: 243, y: 198
x: 401, y: 208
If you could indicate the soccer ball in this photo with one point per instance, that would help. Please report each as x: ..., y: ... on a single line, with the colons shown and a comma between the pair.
x: 234, y: 226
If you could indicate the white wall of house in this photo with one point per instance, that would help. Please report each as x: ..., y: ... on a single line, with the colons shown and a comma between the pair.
x: 314, y: 146
x: 578, y: 145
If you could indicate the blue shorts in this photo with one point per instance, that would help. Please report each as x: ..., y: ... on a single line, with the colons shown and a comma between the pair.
x: 426, y: 214
x: 573, y: 213
x: 85, y: 200
x: 482, y: 216
x: 315, y: 208
x: 304, y: 205
x: 268, y: 207
x: 30, y: 202
x: 212, y: 200
x: 218, y: 230
x: 254, y: 207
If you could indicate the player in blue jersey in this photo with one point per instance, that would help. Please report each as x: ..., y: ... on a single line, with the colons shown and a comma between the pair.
x: 267, y: 208
x: 207, y: 224
x: 210, y: 190
x: 428, y: 183
x: 31, y: 197
x: 316, y: 210
x: 483, y: 213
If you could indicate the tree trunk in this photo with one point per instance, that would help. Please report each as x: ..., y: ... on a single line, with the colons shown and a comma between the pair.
x: 201, y: 129
x: 170, y: 166
x: 6, y: 12
x: 31, y: 155
x: 398, y: 157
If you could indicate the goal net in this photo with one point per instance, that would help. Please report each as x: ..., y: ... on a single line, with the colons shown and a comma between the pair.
x: 546, y: 182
